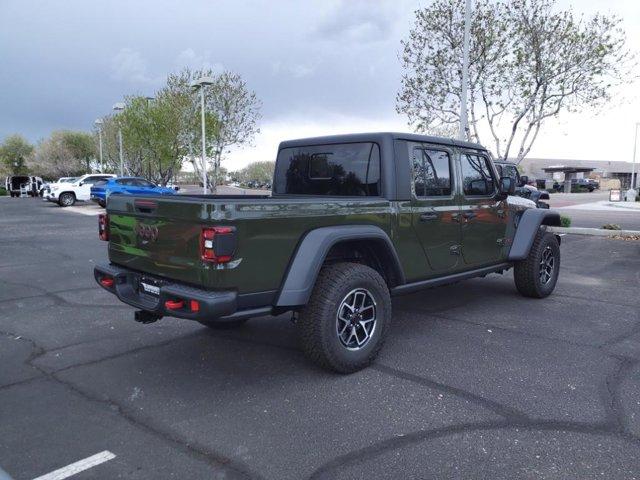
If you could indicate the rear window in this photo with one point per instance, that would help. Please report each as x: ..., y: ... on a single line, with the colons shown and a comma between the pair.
x: 349, y: 170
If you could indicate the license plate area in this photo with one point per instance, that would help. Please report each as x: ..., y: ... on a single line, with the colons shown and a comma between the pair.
x: 149, y: 286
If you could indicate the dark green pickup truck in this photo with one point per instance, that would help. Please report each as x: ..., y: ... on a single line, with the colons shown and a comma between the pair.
x: 352, y: 221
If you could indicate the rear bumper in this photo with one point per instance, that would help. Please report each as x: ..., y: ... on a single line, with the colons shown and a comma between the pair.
x: 126, y: 286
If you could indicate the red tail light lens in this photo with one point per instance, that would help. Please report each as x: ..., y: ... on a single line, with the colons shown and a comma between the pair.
x: 103, y: 226
x: 194, y: 306
x: 174, y: 304
x: 218, y: 244
x: 106, y: 282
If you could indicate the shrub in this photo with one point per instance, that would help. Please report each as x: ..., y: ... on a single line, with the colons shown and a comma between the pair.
x: 3, y: 191
x: 565, y: 221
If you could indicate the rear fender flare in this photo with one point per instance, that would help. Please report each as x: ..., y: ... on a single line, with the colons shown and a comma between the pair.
x: 310, y: 255
x: 528, y: 227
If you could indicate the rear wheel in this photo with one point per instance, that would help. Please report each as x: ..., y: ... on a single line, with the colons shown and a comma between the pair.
x: 67, y: 199
x: 536, y: 276
x: 344, y: 325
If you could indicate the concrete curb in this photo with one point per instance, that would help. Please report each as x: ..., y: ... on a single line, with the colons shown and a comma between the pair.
x: 595, y: 232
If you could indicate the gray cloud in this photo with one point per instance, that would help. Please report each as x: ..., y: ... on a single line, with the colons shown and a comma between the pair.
x: 64, y: 64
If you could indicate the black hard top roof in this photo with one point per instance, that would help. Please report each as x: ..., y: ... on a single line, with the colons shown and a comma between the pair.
x: 380, y: 137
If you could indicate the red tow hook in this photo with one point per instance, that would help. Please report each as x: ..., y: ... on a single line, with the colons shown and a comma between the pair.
x: 174, y: 304
x: 107, y: 282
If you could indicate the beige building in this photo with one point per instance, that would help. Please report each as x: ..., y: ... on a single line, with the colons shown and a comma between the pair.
x: 602, y: 169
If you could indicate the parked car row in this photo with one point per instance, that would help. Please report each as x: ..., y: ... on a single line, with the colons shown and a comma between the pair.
x: 96, y: 187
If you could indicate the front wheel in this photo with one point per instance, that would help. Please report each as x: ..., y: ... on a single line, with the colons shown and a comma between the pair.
x: 536, y: 276
x: 345, y: 322
x: 67, y: 199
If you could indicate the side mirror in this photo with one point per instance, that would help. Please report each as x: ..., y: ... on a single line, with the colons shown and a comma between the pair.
x: 507, y: 186
x: 81, y: 184
x: 524, y: 180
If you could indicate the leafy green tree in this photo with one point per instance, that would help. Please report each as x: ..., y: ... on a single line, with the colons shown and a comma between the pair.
x: 159, y: 134
x: 64, y: 153
x: 256, y: 171
x: 529, y: 61
x: 15, y: 151
x: 232, y: 113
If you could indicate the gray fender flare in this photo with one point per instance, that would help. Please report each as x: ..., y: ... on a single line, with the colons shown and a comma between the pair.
x: 311, y: 253
x: 528, y: 226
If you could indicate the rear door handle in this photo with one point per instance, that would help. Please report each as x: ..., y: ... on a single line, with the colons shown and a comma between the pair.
x: 469, y: 215
x: 425, y: 217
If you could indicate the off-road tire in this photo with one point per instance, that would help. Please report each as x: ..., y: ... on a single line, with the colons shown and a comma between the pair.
x: 526, y: 272
x: 224, y: 325
x: 317, y: 320
x: 63, y: 202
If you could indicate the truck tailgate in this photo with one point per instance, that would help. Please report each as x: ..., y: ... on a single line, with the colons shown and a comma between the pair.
x: 159, y: 234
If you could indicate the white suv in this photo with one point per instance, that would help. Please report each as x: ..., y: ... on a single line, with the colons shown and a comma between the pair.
x: 66, y: 194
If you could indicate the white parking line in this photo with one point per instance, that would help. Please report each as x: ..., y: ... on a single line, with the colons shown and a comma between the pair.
x: 79, y: 466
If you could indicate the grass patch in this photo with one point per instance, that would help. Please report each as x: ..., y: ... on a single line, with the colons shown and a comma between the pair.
x: 565, y: 221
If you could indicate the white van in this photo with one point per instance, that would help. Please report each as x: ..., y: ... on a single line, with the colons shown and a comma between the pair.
x: 15, y: 184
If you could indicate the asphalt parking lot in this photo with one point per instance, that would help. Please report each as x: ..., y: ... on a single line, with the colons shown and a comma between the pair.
x: 475, y: 382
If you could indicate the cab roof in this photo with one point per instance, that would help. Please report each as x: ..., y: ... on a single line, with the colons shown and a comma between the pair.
x: 379, y: 137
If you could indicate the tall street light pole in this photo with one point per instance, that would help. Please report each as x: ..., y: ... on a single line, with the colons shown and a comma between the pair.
x: 118, y: 107
x: 633, y: 165
x: 98, y: 124
x: 149, y: 99
x: 464, y: 123
x: 200, y: 83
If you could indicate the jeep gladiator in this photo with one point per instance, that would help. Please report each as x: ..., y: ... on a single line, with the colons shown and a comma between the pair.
x: 352, y: 221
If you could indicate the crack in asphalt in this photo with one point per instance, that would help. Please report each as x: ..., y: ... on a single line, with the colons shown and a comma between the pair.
x: 193, y: 449
x: 57, y: 299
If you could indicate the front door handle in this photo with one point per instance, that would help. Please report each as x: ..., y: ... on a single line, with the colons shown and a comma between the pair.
x: 425, y: 217
x: 469, y: 215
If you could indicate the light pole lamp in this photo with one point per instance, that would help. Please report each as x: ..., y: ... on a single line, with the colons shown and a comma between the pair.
x: 201, y: 83
x: 118, y: 107
x: 98, y: 123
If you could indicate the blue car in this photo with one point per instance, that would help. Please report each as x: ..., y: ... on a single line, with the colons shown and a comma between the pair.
x: 127, y: 186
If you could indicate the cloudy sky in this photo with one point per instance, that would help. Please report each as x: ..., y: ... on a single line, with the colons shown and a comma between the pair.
x: 319, y: 67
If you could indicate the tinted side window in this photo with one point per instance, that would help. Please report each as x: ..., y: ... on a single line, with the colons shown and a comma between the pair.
x: 431, y: 172
x: 477, y: 178
x: 509, y: 171
x: 350, y: 169
x: 143, y: 183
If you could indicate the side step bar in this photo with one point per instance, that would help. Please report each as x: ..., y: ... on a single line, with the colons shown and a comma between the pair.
x: 456, y: 277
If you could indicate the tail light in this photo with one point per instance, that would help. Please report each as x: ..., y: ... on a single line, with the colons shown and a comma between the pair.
x: 217, y: 244
x: 103, y: 226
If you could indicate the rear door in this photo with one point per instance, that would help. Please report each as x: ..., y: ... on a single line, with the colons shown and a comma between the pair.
x: 483, y: 215
x: 434, y: 204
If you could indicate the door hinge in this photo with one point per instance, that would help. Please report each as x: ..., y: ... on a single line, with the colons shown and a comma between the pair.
x: 454, y: 250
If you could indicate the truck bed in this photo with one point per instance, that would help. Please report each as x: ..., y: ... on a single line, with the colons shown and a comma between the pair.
x: 268, y: 230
